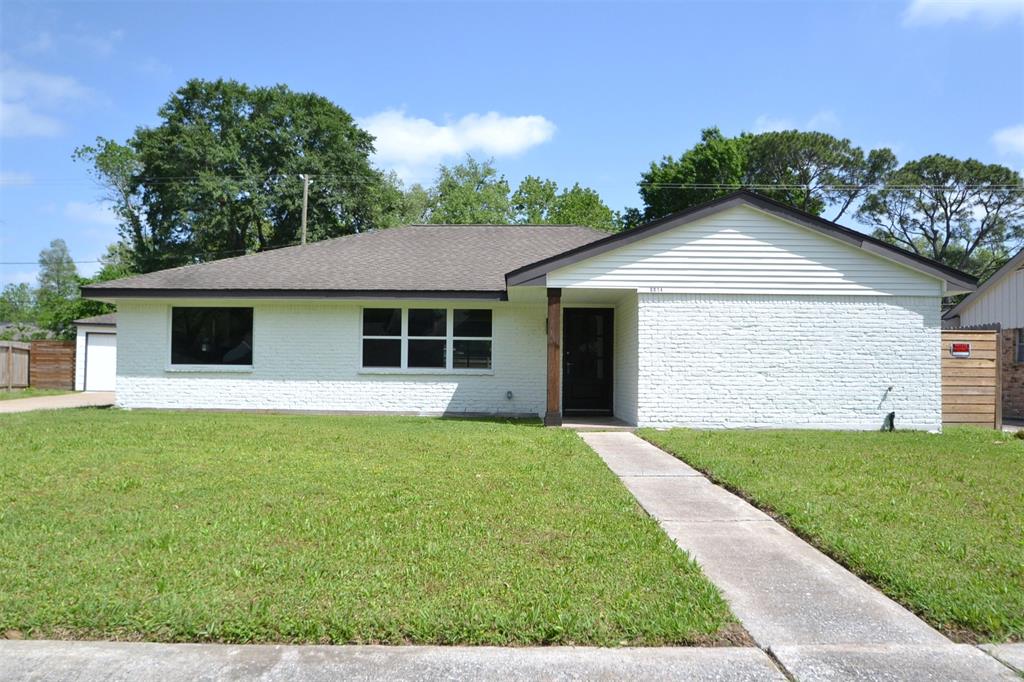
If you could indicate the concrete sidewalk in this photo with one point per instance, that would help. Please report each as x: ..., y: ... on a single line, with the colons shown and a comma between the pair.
x: 58, y: 402
x: 109, y: 661
x: 819, y: 620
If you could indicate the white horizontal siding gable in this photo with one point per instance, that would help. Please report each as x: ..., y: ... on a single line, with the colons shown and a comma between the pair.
x: 1002, y: 303
x: 743, y: 250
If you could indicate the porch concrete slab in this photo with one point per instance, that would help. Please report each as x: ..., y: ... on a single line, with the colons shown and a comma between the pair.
x: 896, y: 663
x: 89, y: 661
x: 691, y: 499
x: 1010, y: 654
x: 58, y: 402
x: 627, y: 455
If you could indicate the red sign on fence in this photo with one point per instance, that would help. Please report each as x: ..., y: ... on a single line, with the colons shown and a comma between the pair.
x: 960, y: 350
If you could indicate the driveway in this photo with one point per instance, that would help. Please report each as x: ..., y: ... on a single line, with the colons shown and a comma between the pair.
x: 59, y: 402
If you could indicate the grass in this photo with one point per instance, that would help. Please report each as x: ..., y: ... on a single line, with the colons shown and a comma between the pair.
x: 17, y: 393
x: 258, y: 528
x: 935, y: 521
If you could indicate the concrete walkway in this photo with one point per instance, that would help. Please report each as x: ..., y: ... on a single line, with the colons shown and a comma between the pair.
x: 93, y: 661
x: 1010, y: 654
x: 58, y: 402
x: 816, y: 618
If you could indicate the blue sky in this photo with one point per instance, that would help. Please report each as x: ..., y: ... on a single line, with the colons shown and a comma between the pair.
x: 588, y: 93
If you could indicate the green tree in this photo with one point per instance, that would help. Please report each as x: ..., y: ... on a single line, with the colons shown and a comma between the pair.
x: 538, y: 202
x: 58, y: 275
x: 115, y: 263
x: 118, y: 170
x: 582, y: 206
x: 470, y: 192
x: 533, y: 200
x: 812, y: 171
x: 710, y: 169
x: 816, y: 170
x: 415, y: 205
x: 964, y: 213
x: 17, y: 304
x: 220, y: 175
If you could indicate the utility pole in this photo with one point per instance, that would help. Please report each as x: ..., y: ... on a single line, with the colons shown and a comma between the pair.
x: 305, y: 203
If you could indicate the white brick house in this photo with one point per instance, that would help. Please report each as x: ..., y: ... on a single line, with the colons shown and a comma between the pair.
x: 738, y: 313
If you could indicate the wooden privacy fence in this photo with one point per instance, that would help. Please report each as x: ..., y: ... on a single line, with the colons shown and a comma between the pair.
x: 13, y: 364
x: 52, y: 364
x: 970, y: 377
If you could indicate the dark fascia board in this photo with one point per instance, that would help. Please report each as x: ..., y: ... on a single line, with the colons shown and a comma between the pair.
x: 100, y: 292
x: 1010, y: 266
x: 532, y: 273
x: 94, y: 324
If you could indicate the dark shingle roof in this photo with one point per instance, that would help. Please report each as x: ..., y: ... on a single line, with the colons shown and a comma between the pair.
x: 418, y: 258
x: 107, y: 319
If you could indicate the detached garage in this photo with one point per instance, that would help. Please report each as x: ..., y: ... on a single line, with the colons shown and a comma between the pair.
x: 96, y: 353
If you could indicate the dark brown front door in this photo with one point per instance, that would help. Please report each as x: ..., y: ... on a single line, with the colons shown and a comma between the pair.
x: 587, y: 360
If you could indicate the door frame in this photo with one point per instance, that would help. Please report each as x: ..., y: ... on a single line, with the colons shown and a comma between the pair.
x: 85, y: 365
x: 610, y: 360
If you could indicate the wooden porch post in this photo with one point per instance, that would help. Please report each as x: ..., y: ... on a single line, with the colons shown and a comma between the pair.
x: 553, y: 415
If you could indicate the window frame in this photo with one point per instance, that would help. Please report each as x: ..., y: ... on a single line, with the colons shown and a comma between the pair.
x: 1018, y: 355
x: 193, y: 367
x: 449, y: 338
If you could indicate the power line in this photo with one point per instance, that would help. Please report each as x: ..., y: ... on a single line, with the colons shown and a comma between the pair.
x: 362, y: 179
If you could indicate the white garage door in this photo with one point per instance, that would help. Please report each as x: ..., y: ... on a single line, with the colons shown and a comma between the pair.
x: 100, y: 362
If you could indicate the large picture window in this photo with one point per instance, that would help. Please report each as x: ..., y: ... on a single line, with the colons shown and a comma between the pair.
x: 211, y: 336
x: 426, y: 338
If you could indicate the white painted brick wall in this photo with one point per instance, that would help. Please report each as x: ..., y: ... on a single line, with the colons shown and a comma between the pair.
x: 712, y: 361
x: 703, y: 360
x: 307, y: 357
x: 624, y: 390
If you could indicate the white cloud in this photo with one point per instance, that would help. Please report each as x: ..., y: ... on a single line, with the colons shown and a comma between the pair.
x: 13, y: 178
x: 1009, y: 140
x: 28, y: 98
x: 825, y: 120
x: 921, y: 12
x: 413, y: 147
x: 92, y: 213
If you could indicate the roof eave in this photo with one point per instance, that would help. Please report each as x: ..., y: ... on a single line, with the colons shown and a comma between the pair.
x: 114, y: 293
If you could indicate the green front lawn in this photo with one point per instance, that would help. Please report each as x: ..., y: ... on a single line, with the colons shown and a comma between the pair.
x: 936, y: 521
x: 18, y: 393
x: 242, y: 528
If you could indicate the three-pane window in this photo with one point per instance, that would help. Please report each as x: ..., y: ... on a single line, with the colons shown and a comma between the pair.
x: 426, y: 338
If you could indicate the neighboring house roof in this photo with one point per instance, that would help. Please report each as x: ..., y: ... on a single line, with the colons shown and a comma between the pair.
x: 1012, y: 265
x: 453, y: 260
x: 535, y: 273
x: 105, y: 320
x: 23, y: 331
